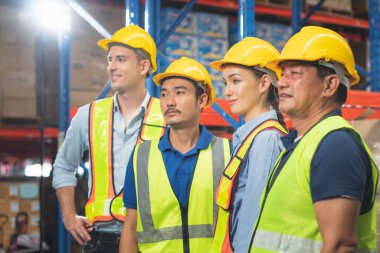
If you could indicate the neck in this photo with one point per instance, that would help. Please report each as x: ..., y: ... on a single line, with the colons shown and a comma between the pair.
x: 184, y: 139
x: 303, y: 124
x: 130, y: 101
x: 256, y: 111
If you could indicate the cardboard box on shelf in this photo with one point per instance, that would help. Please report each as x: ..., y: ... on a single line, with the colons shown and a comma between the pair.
x: 8, y: 190
x: 181, y: 45
x: 19, y: 84
x: 15, y: 107
x: 9, y: 207
x: 212, y: 48
x: 332, y: 6
x: 212, y: 25
x: 187, y: 26
x: 276, y: 34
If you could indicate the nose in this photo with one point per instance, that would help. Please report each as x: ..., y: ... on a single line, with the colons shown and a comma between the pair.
x: 227, y: 91
x: 111, y: 66
x: 281, y: 82
x: 171, y: 102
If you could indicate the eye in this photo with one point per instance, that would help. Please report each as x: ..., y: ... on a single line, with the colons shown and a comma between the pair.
x: 120, y: 59
x: 235, y: 81
x: 180, y: 92
x: 109, y: 59
x: 163, y: 94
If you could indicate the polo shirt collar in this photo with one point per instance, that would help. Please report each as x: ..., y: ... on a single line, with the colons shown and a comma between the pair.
x: 205, y: 137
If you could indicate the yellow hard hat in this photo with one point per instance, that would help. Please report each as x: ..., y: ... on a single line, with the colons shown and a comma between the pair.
x: 191, y: 69
x: 249, y: 52
x: 315, y: 43
x: 136, y: 37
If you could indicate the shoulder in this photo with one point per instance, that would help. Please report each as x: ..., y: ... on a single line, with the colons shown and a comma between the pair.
x: 342, y: 141
x: 268, y: 136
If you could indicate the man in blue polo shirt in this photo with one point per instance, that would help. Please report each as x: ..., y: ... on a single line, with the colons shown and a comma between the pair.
x: 171, y: 182
x: 320, y: 196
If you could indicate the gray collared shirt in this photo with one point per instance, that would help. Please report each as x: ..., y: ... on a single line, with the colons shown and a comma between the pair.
x: 76, y: 143
x: 252, y: 178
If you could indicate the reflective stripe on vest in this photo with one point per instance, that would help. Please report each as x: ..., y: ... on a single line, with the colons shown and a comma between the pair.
x: 159, y: 222
x: 288, y: 214
x: 221, y: 241
x: 103, y: 203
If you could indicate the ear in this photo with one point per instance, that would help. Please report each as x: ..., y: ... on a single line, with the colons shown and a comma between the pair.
x: 330, y: 85
x: 265, y: 83
x: 144, y: 67
x: 202, y: 100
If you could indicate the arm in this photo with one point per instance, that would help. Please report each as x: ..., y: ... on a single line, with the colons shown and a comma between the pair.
x: 340, y: 186
x: 337, y: 219
x: 75, y: 224
x: 64, y: 179
x: 128, y: 240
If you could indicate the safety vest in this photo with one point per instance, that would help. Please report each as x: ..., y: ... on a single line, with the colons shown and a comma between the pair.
x: 288, y: 222
x: 224, y: 195
x: 163, y: 225
x: 104, y: 204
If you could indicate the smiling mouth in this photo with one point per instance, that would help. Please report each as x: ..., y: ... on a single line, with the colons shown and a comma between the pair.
x: 232, y: 101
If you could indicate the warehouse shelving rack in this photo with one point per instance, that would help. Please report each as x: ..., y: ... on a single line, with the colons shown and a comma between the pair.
x: 358, y: 105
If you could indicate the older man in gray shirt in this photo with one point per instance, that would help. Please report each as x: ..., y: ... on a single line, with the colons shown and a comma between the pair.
x: 109, y: 129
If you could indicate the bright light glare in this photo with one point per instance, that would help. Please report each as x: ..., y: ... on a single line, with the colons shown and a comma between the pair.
x: 51, y: 14
x: 81, y: 171
x: 34, y: 170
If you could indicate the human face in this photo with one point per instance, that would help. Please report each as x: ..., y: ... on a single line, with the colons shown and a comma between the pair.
x: 300, y: 90
x: 179, y: 104
x: 242, y: 91
x: 124, y: 69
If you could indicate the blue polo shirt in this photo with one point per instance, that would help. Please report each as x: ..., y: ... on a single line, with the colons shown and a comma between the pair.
x: 340, y: 167
x: 179, y: 167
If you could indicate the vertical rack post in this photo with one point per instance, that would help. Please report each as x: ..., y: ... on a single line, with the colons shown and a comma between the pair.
x: 374, y: 44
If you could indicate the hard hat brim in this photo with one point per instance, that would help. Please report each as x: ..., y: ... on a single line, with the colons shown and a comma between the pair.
x: 355, y: 78
x: 105, y: 42
x: 159, y: 77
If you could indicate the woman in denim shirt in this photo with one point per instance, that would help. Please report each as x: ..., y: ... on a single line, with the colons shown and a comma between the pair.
x: 250, y: 90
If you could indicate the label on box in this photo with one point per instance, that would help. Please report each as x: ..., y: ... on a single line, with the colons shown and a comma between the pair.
x: 35, y: 206
x: 28, y: 190
x: 34, y: 220
x: 13, y: 190
x: 14, y: 206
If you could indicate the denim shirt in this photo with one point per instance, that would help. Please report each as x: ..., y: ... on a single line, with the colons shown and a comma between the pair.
x: 252, y: 178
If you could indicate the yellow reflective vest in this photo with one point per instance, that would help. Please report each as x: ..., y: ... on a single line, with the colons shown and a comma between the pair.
x: 288, y: 222
x: 224, y: 195
x: 162, y: 224
x: 104, y: 204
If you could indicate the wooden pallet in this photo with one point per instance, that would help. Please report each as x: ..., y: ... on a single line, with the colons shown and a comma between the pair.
x: 277, y: 3
x: 330, y: 11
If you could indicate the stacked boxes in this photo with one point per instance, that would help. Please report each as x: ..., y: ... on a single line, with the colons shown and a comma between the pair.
x: 276, y: 34
x: 17, y: 65
x: 18, y: 197
x: 201, y: 36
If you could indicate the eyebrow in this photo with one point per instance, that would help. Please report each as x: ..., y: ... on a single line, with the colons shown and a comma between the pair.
x: 233, y: 74
x: 175, y: 88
